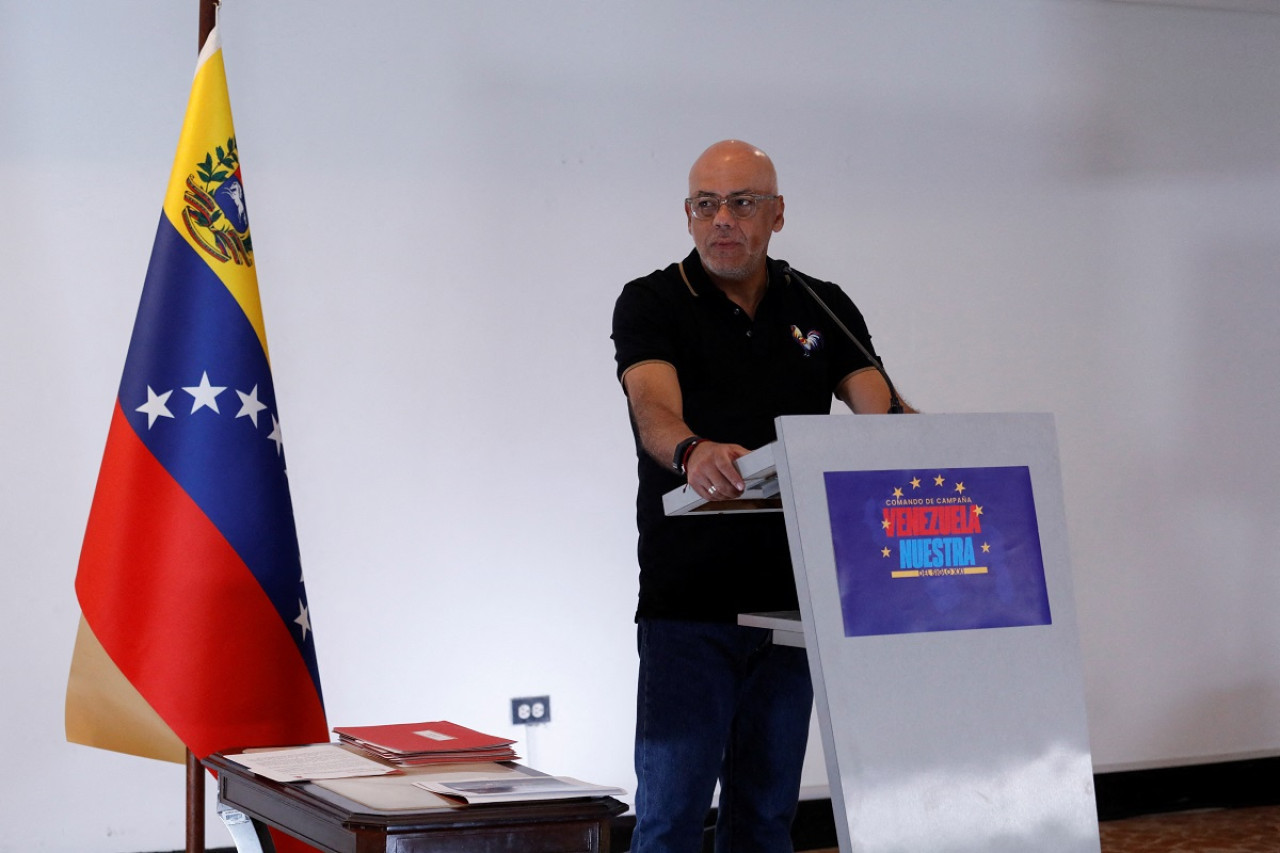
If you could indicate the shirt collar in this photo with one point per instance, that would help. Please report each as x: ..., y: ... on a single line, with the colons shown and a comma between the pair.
x: 699, y: 283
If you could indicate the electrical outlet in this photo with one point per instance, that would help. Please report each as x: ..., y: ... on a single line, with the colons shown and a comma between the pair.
x: 530, y: 710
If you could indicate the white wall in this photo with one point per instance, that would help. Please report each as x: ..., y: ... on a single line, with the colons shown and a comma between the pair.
x: 1044, y: 205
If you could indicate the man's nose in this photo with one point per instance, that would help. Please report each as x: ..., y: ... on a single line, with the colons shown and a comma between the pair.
x: 723, y: 217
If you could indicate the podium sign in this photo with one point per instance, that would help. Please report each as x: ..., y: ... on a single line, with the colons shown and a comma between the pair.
x: 931, y: 561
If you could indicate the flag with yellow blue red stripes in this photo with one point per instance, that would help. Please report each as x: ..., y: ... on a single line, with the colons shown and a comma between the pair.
x: 196, y: 628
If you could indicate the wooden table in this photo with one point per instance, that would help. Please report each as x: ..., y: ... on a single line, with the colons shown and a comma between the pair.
x: 335, y: 823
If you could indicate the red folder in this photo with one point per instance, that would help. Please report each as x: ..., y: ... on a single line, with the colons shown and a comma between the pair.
x: 432, y: 742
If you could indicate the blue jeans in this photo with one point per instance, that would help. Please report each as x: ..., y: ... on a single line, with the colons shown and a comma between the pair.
x: 718, y: 701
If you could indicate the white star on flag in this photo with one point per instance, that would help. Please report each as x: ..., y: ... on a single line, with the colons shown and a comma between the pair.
x: 304, y: 619
x: 249, y: 405
x: 276, y: 435
x: 204, y: 394
x: 155, y: 407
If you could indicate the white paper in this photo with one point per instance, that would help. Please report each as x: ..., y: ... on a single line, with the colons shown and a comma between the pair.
x: 519, y: 789
x: 303, y: 763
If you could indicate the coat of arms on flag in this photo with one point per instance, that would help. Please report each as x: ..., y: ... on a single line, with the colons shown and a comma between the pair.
x: 216, y: 217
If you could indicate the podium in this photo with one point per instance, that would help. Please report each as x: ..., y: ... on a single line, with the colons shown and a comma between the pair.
x: 936, y: 606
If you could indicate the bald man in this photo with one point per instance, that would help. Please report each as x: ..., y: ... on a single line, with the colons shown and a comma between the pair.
x: 709, y: 351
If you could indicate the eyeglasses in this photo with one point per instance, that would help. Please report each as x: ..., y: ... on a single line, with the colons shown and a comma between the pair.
x: 741, y: 205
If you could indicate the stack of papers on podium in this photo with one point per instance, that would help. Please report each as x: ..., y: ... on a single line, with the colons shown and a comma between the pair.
x: 420, y: 744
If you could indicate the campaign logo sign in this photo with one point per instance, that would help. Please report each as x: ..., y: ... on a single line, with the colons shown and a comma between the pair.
x: 938, y: 550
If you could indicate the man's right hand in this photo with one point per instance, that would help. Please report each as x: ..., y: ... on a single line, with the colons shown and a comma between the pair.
x: 712, y: 472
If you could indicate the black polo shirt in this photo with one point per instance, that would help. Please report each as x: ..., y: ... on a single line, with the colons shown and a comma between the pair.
x: 736, y: 375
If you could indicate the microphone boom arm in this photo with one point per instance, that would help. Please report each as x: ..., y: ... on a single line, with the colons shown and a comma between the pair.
x: 895, y: 402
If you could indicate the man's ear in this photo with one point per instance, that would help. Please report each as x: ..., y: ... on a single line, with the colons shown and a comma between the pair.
x: 778, y: 220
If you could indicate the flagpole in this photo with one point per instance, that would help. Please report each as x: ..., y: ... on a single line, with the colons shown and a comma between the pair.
x: 195, y: 804
x: 208, y: 19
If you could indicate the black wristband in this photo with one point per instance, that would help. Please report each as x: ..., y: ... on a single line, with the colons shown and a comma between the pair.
x: 682, y: 451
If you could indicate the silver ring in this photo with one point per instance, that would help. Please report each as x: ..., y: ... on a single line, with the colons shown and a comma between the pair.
x: 711, y: 490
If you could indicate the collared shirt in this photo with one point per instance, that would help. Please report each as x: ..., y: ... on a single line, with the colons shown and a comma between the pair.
x: 736, y: 374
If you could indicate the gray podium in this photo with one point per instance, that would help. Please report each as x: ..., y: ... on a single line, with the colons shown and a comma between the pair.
x: 930, y: 555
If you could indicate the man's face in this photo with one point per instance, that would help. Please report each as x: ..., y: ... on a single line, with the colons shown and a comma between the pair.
x: 731, y: 248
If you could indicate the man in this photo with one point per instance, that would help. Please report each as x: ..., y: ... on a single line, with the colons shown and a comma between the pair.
x: 709, y: 351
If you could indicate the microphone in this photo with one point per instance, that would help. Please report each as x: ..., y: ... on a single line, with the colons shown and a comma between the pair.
x: 895, y: 402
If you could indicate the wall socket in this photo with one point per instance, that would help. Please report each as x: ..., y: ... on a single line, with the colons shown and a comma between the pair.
x: 530, y: 710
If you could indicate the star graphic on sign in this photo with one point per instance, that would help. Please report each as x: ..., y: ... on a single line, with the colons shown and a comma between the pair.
x: 977, y: 510
x: 885, y: 524
x: 155, y: 407
x: 884, y: 552
x: 986, y: 549
x: 897, y: 492
x: 204, y: 394
x: 915, y: 482
x: 960, y: 488
x: 938, y: 480
x: 304, y: 619
x: 276, y: 435
x: 250, y: 406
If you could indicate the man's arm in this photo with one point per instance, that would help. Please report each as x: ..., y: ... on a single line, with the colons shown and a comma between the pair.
x: 657, y: 405
x: 866, y: 393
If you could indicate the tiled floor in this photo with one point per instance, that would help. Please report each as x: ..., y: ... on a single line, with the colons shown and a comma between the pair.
x: 1253, y: 830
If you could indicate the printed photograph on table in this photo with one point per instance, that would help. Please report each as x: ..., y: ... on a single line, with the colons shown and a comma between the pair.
x: 936, y: 550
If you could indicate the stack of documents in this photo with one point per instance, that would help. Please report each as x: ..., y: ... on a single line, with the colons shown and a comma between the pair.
x: 421, y: 744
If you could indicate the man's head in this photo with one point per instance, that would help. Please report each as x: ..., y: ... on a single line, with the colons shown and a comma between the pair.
x: 733, y: 248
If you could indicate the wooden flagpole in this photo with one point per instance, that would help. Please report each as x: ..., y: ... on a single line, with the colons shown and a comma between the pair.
x: 195, y: 804
x: 208, y: 19
x: 195, y: 770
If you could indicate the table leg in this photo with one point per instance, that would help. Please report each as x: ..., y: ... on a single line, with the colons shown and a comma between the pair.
x: 248, y: 835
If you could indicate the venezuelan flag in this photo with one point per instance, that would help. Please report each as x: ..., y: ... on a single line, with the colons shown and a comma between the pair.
x: 195, y: 630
